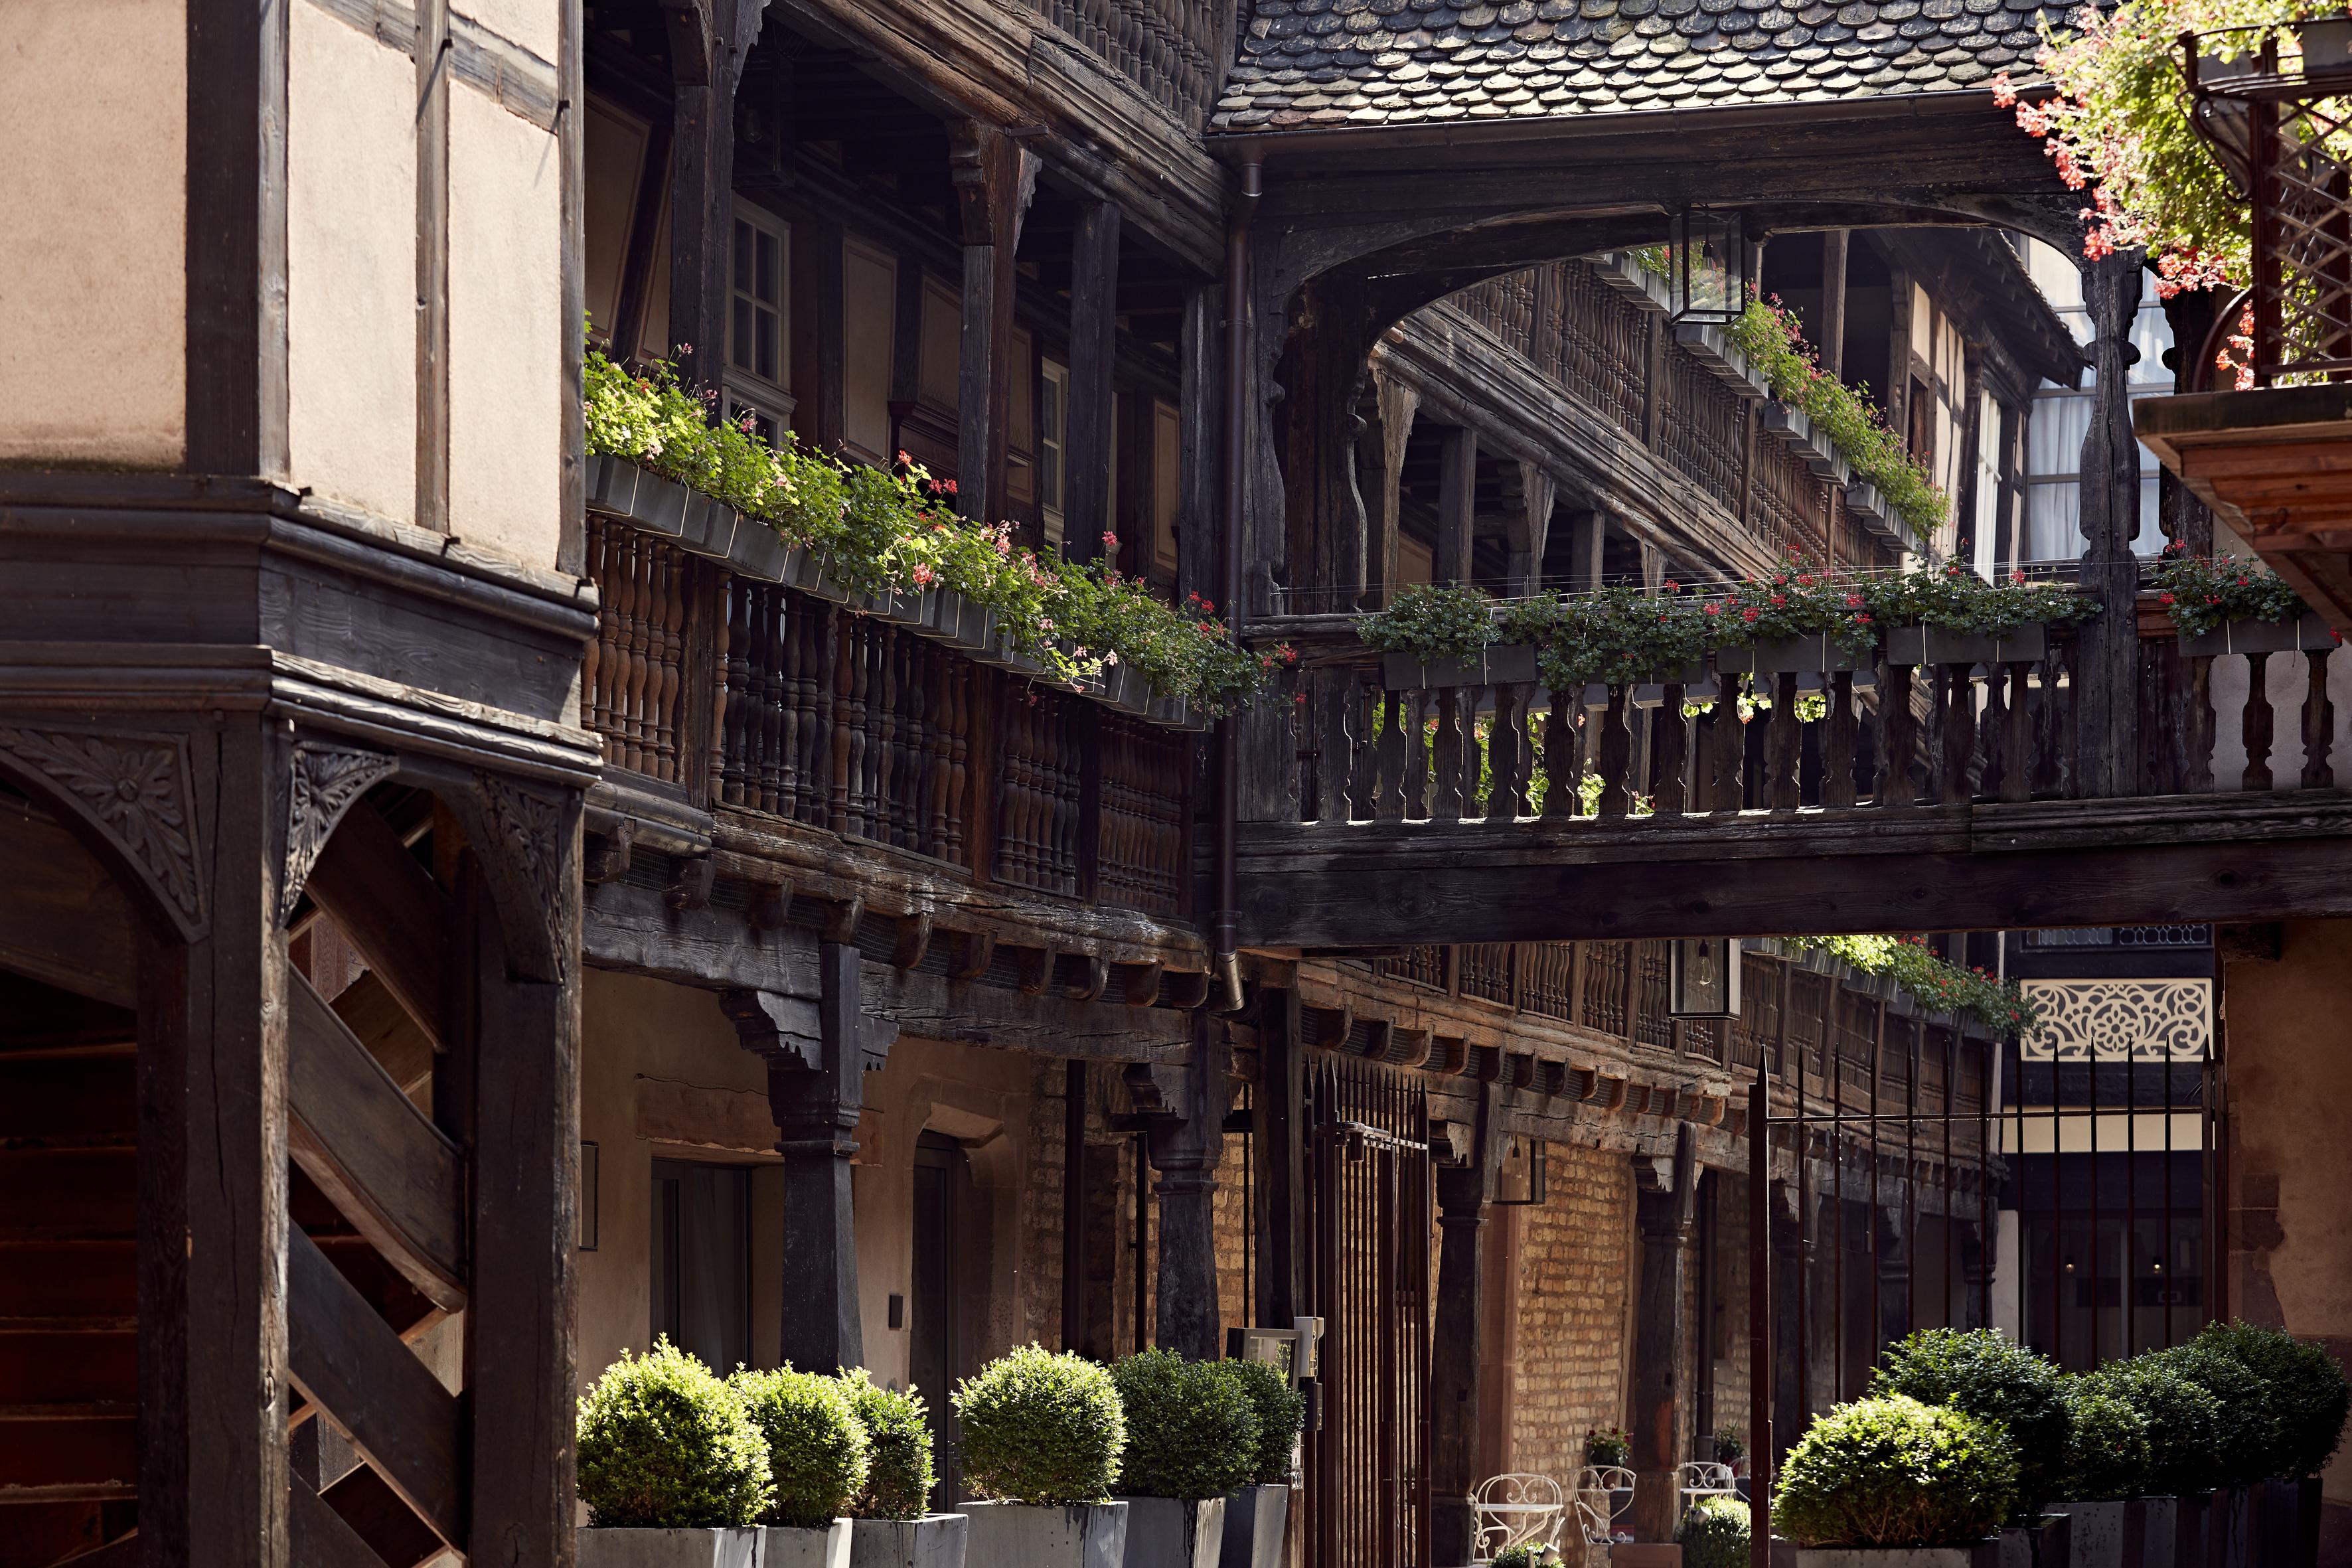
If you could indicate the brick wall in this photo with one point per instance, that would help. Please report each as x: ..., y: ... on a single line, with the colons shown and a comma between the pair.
x: 1575, y: 1272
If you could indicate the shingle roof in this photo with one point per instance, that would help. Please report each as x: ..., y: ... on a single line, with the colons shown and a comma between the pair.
x: 1305, y: 64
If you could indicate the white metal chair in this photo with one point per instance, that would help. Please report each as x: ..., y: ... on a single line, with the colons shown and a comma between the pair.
x: 1703, y: 1478
x: 1602, y: 1493
x: 1514, y: 1510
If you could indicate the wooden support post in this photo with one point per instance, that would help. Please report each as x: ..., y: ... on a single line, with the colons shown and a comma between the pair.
x: 1458, y: 500
x: 1589, y: 534
x: 994, y: 177
x: 212, y: 1173
x: 2107, y: 652
x: 1531, y: 529
x: 1087, y: 500
x: 1666, y: 1211
x: 1278, y: 1117
x: 1398, y: 403
x: 820, y: 349
x: 1200, y: 414
x: 1074, y: 1205
x: 1762, y: 1458
x: 1834, y: 244
x: 702, y: 203
x: 1185, y: 1150
x: 1456, y: 1340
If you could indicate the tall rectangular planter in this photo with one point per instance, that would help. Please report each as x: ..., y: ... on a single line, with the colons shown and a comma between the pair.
x: 934, y: 1540
x: 2098, y: 1531
x: 2192, y: 1527
x: 2311, y: 633
x: 826, y: 1548
x: 1934, y: 645
x: 2048, y: 1544
x: 1819, y: 653
x: 1255, y: 1520
x: 1174, y: 1533
x: 1017, y: 1535
x: 602, y: 1548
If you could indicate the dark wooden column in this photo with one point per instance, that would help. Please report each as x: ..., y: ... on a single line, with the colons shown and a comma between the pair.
x: 1397, y: 402
x: 1185, y: 1149
x: 1086, y: 501
x: 212, y: 1147
x: 2106, y: 707
x: 1532, y: 532
x: 1457, y: 1337
x: 1665, y: 1204
x: 1278, y: 1124
x: 820, y: 399
x: 2181, y: 515
x: 702, y: 215
x: 1323, y: 379
x: 1834, y: 244
x: 1789, y: 1417
x: 994, y: 177
x: 1200, y: 412
x: 1457, y: 503
x: 817, y: 1054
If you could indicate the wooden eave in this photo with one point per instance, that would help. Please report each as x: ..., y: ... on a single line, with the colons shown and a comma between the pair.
x: 1980, y: 276
x: 2276, y: 465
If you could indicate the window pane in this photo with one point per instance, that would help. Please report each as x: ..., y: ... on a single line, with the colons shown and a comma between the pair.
x: 765, y: 280
x: 2053, y: 440
x: 743, y: 233
x: 765, y: 322
x: 740, y: 349
x: 2052, y: 513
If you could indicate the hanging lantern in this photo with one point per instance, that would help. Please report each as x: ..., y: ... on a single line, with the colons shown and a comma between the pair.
x: 1519, y: 1174
x: 1710, y: 265
x: 1703, y: 977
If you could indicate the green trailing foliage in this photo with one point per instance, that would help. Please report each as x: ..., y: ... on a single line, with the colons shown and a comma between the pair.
x: 1892, y: 1472
x: 2109, y: 1455
x: 2200, y: 591
x: 1281, y: 1412
x: 663, y: 1444
x: 896, y: 530
x: 1193, y: 1428
x: 1986, y: 1375
x: 1040, y: 1427
x: 1935, y: 983
x: 898, y: 1475
x: 818, y: 1455
x: 2182, y: 1420
x: 2304, y: 1388
x: 1714, y: 1533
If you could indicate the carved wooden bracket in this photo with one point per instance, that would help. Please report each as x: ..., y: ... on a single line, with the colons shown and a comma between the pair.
x: 1159, y: 1089
x: 608, y: 855
x: 1138, y: 984
x: 322, y: 784
x: 970, y: 954
x: 524, y: 835
x: 135, y: 792
x: 1188, y: 991
x: 781, y: 1029
x: 912, y: 941
x: 690, y: 881
x: 1035, y: 965
x: 841, y: 920
x: 1093, y: 977
x: 770, y: 905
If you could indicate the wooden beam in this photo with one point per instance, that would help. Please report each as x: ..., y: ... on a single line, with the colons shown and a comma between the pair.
x: 321, y: 1538
x: 1094, y: 333
x: 349, y: 1363
x: 1457, y: 500
x: 64, y: 921
x: 1049, y: 1024
x: 386, y: 1167
x: 392, y: 909
x: 994, y: 177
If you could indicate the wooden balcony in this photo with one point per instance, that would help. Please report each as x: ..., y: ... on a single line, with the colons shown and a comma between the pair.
x: 762, y: 720
x: 2014, y: 790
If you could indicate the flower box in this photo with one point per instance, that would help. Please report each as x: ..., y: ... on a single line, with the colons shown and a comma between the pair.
x: 1934, y: 645
x: 898, y: 606
x: 1255, y: 1519
x: 1811, y: 444
x: 805, y: 570
x: 1174, y: 1533
x: 934, y: 1540
x: 1866, y: 503
x: 957, y: 621
x: 789, y: 1548
x: 2311, y: 633
x: 1496, y: 667
x: 1986, y: 1554
x: 1620, y: 271
x: 1126, y: 690
x: 1022, y: 1535
x: 619, y: 487
x: 1818, y: 652
x: 709, y: 526
x: 601, y: 1548
x: 2047, y: 1544
x: 759, y: 552
x: 1711, y: 346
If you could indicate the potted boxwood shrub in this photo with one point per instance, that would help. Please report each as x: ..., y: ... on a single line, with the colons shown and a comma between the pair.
x: 1984, y: 1373
x: 1888, y: 1480
x: 672, y: 1469
x: 890, y: 1522
x: 2305, y: 1393
x: 1257, y: 1513
x: 2246, y: 1449
x: 2183, y: 1423
x: 1193, y: 1437
x: 1042, y: 1436
x: 2108, y: 1460
x: 1714, y: 1533
x: 817, y: 1461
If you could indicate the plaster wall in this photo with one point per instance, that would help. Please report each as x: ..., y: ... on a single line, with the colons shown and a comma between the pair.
x: 506, y: 334
x: 351, y: 242
x: 2288, y: 1049
x: 93, y: 233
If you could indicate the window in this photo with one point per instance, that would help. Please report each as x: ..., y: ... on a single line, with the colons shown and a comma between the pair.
x: 1053, y: 445
x: 2060, y: 416
x: 758, y: 342
x: 702, y: 1261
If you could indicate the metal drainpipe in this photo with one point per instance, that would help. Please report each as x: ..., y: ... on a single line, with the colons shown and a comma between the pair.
x: 1225, y: 920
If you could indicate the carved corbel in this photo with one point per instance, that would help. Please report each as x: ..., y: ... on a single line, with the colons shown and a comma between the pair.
x: 841, y: 919
x: 771, y: 906
x: 1409, y: 1047
x: 523, y: 835
x: 1138, y: 984
x: 1189, y: 990
x: 1377, y: 1033
x: 970, y: 953
x: 324, y: 783
x: 691, y: 877
x: 606, y: 858
x: 1093, y: 978
x: 784, y: 1031
x: 1034, y: 967
x: 912, y: 941
x: 135, y: 792
x: 1326, y: 1028
x: 1159, y: 1089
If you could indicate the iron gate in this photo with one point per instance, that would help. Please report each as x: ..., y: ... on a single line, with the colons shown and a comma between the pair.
x: 1369, y: 1202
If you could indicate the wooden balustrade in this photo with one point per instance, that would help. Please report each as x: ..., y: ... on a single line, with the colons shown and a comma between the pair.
x: 1505, y: 305
x: 1705, y: 430
x: 1604, y: 347
x: 748, y: 696
x: 1789, y: 503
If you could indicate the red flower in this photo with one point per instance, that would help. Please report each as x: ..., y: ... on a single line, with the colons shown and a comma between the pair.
x: 2163, y: 598
x: 1673, y: 586
x: 1853, y: 600
x: 1805, y: 579
x: 1714, y: 609
x: 948, y: 486
x: 1778, y: 601
x: 1750, y: 614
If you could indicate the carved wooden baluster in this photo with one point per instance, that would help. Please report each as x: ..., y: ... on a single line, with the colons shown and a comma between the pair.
x: 737, y: 676
x: 1616, y: 756
x: 1474, y: 755
x: 1785, y: 745
x: 2259, y: 723
x: 719, y: 595
x: 945, y: 723
x: 2318, y: 725
x: 2066, y: 738
x: 1069, y: 785
x: 781, y: 717
x: 629, y: 687
x: 1389, y: 758
x: 1729, y: 738
x: 881, y: 756
x: 1560, y: 754
x: 1899, y: 729
x: 841, y: 792
x: 1418, y: 786
x: 1508, y: 753
x: 673, y: 591
x: 1012, y: 783
x: 2017, y: 736
x: 1959, y: 733
x: 1363, y: 777
x: 916, y: 696
x: 1327, y: 702
x: 1837, y: 741
x: 593, y: 704
x: 1671, y: 745
x: 2199, y: 727
x: 1445, y: 795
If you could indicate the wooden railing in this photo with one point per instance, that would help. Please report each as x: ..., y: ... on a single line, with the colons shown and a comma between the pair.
x: 716, y: 691
x: 1892, y: 736
x: 1169, y: 49
x: 1604, y: 348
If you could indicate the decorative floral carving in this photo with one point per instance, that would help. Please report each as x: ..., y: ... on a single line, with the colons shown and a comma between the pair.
x: 325, y: 780
x: 2121, y: 1020
x: 527, y: 857
x: 135, y: 790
